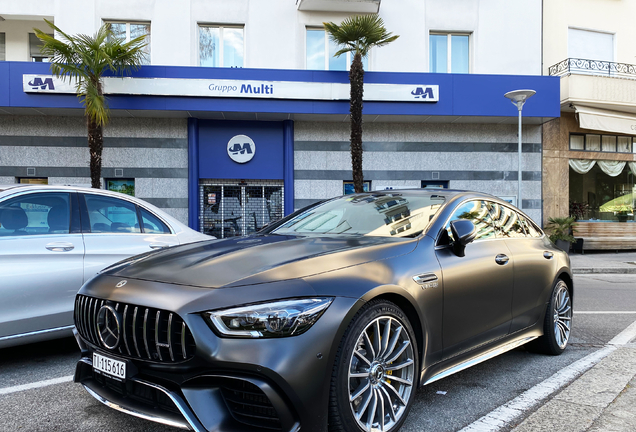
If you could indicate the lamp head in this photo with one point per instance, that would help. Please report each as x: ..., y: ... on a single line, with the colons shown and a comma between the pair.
x: 519, y: 97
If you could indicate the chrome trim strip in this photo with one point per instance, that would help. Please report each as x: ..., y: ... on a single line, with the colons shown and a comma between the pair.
x: 424, y: 278
x: 125, y: 338
x: 157, y: 347
x: 183, y: 348
x: 135, y: 413
x: 480, y: 358
x: 146, y: 334
x: 85, y: 319
x: 120, y: 349
x: 170, y: 336
x: 34, y: 333
x: 134, y: 327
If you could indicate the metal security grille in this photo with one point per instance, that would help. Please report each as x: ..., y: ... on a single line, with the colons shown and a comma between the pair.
x: 230, y: 209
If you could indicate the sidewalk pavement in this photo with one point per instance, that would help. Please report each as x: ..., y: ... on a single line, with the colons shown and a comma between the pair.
x: 603, y: 262
x: 603, y: 399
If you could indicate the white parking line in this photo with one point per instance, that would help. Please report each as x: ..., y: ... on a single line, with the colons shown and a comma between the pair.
x: 605, y: 312
x: 9, y: 390
x: 504, y: 415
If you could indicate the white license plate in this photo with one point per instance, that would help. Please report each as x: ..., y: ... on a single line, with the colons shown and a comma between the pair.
x: 109, y: 366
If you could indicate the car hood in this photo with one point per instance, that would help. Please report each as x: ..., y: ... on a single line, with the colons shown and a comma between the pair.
x: 258, y: 259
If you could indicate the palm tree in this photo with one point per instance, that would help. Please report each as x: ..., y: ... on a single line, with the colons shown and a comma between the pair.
x: 84, y: 60
x: 357, y: 34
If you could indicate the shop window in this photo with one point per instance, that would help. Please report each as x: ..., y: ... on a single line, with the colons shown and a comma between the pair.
x: 35, y: 46
x: 348, y: 188
x: 3, y: 55
x: 448, y: 53
x: 603, y: 197
x: 602, y: 143
x: 321, y: 50
x: 221, y: 46
x: 125, y: 186
x: 434, y: 184
x: 126, y: 31
x: 33, y: 180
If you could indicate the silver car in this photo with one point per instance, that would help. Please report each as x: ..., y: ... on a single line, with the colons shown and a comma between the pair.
x: 55, y: 238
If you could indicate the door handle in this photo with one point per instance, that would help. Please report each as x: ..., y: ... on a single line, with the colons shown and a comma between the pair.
x: 548, y: 255
x: 158, y: 245
x: 502, y: 259
x: 60, y: 246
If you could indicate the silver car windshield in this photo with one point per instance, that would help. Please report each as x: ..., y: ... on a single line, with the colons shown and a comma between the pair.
x: 378, y: 214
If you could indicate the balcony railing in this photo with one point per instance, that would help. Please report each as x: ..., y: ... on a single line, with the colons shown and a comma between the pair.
x: 593, y: 67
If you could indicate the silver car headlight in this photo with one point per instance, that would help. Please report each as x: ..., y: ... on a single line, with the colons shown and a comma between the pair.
x: 273, y: 319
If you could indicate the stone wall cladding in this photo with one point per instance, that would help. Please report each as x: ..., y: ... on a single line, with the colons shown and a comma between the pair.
x: 153, y: 151
x: 481, y: 157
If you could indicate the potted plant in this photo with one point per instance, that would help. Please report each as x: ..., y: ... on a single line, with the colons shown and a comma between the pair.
x: 561, y: 230
x: 578, y: 210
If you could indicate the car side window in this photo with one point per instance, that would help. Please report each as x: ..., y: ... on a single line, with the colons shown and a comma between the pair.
x: 36, y: 213
x: 478, y: 213
x: 152, y: 224
x: 507, y: 221
x: 531, y: 229
x: 111, y: 215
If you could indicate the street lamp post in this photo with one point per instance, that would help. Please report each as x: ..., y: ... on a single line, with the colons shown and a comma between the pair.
x: 518, y: 98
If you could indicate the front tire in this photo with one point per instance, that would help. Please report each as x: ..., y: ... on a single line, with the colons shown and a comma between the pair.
x: 375, y: 373
x: 557, y: 325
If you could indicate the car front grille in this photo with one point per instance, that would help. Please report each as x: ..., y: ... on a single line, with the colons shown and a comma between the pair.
x: 146, y: 333
x: 249, y: 405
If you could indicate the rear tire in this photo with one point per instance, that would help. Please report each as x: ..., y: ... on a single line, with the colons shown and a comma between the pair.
x: 375, y: 372
x: 557, y: 324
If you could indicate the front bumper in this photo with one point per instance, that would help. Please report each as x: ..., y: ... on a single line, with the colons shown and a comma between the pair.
x: 230, y: 385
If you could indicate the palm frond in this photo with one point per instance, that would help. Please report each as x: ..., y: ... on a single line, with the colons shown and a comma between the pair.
x: 359, y: 33
x: 84, y: 59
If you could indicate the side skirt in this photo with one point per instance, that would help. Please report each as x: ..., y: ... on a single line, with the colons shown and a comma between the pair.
x: 480, y: 358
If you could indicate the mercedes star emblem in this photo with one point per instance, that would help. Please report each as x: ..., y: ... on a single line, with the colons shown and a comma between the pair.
x: 121, y: 283
x: 108, y: 326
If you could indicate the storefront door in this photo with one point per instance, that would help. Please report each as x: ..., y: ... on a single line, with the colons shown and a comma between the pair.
x: 230, y: 208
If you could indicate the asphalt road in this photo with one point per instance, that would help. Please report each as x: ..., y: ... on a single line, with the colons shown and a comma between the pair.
x: 444, y: 406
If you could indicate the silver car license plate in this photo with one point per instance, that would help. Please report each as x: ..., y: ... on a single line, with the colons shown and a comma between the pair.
x: 109, y: 366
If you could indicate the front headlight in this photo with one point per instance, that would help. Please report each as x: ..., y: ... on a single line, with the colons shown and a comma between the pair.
x: 274, y: 319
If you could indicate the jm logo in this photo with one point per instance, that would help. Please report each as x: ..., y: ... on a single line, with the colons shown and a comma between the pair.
x: 37, y: 82
x: 245, y: 149
x: 241, y: 149
x: 424, y: 93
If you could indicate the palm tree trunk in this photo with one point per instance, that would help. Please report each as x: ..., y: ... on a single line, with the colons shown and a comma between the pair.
x: 356, y: 78
x: 95, y: 147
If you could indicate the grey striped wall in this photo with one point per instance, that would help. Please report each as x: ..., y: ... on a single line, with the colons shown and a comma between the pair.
x: 152, y: 151
x: 480, y: 157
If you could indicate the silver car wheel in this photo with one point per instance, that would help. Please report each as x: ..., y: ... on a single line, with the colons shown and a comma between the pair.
x: 381, y: 374
x: 562, y: 315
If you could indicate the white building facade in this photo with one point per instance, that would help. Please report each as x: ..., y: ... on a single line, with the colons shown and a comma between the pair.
x: 173, y: 146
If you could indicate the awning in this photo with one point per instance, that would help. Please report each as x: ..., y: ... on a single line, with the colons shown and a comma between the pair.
x: 604, y: 120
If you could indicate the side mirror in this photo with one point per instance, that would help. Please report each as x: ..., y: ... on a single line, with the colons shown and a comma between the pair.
x: 464, y: 232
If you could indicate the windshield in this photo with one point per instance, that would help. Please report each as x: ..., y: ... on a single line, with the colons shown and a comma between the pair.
x: 378, y: 214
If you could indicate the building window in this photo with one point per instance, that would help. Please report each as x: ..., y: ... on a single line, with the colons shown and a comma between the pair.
x: 3, y: 56
x: 221, y: 46
x: 602, y: 143
x: 35, y: 46
x: 321, y: 50
x: 590, y: 45
x: 448, y: 53
x: 126, y: 31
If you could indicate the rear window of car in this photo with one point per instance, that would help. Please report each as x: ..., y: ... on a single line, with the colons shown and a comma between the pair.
x: 375, y: 214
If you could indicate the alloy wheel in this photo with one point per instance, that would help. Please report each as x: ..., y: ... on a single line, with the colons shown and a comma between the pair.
x: 381, y: 374
x: 562, y: 314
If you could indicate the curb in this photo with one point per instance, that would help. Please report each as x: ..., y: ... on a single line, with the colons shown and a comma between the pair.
x: 605, y: 270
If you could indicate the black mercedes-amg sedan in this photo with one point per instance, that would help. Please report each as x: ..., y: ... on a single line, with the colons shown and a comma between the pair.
x: 330, y: 318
